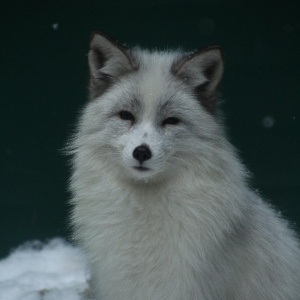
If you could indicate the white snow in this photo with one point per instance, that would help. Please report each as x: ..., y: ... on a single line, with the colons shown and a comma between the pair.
x: 36, y: 271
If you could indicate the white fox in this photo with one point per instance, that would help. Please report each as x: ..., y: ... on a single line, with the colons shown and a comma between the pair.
x: 161, y: 202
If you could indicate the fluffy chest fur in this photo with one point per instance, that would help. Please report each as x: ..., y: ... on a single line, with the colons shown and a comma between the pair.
x: 156, y: 246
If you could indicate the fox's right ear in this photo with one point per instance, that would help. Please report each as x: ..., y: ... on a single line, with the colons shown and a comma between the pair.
x: 202, y: 71
x: 107, y: 61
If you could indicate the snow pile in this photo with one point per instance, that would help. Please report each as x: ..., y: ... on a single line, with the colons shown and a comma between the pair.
x: 37, y: 271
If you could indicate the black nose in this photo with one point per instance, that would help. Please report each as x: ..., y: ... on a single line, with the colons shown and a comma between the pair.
x: 141, y: 153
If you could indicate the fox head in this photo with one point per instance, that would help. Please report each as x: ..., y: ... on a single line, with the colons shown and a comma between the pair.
x: 150, y: 113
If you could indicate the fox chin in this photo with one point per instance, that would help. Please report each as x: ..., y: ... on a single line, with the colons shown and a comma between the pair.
x: 161, y: 203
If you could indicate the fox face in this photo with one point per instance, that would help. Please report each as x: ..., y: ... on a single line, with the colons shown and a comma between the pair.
x: 145, y: 107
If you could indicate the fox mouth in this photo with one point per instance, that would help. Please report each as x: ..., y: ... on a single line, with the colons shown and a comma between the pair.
x: 141, y: 169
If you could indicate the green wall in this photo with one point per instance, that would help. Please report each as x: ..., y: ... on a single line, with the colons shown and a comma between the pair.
x: 44, y: 75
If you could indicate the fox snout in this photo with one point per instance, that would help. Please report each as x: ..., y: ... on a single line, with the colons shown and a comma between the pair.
x: 142, y: 153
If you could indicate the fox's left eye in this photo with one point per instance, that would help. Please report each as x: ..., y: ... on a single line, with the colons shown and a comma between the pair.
x: 170, y: 121
x: 126, y: 115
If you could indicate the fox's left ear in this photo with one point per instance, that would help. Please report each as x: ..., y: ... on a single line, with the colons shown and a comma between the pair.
x: 203, y: 71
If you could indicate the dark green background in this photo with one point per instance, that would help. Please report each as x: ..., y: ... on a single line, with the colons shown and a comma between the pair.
x: 44, y: 76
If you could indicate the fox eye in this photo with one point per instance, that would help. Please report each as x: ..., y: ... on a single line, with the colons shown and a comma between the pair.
x: 126, y: 115
x: 170, y: 121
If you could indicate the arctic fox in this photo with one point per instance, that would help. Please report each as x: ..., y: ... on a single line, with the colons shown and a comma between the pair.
x: 161, y: 201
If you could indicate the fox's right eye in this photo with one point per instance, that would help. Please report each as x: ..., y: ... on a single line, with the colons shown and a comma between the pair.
x: 126, y: 115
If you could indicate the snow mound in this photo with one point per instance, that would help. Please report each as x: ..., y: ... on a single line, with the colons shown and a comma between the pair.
x: 37, y: 271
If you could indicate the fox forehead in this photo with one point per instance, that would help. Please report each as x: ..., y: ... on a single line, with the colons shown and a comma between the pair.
x: 153, y: 87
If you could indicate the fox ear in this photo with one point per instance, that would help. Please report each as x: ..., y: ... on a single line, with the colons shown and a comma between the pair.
x: 108, y: 60
x: 203, y: 71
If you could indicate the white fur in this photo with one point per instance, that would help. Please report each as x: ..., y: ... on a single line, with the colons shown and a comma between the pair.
x: 190, y: 228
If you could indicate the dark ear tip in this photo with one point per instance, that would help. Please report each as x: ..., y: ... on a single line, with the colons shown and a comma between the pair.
x: 94, y: 35
x: 106, y: 37
x: 92, y: 39
x: 221, y: 51
x: 217, y: 49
